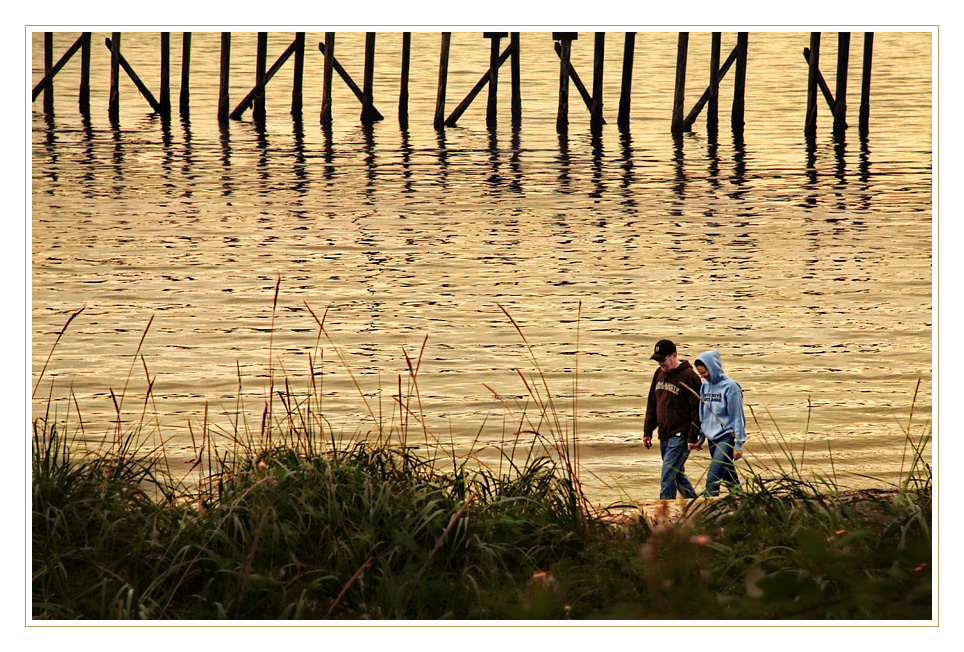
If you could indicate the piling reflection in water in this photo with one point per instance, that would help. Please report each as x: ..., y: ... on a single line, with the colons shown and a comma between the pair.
x: 806, y: 260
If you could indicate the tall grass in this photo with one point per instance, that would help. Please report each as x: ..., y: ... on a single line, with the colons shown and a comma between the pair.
x: 285, y: 521
x: 288, y: 523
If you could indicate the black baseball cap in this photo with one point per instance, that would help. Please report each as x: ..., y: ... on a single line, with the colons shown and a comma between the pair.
x: 663, y: 349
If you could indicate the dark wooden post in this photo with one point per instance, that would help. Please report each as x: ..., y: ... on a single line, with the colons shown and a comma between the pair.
x: 821, y: 84
x: 840, y: 97
x: 113, y: 102
x: 629, y: 48
x: 327, y: 78
x: 165, y: 99
x: 443, y: 73
x: 297, y: 82
x: 224, y: 87
x: 367, y: 115
x: 739, y: 88
x: 260, y: 81
x: 678, y: 94
x: 810, y: 126
x: 739, y: 83
x: 491, y: 109
x: 184, y: 97
x: 865, y: 84
x: 562, y: 116
x: 299, y: 75
x: 49, y: 73
x: 403, y: 90
x: 85, y: 75
x: 516, y: 81
x: 713, y: 105
x: 595, y: 113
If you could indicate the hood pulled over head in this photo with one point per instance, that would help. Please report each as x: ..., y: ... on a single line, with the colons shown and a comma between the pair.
x: 711, y: 360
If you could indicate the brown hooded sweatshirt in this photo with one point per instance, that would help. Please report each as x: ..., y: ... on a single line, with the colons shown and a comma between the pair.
x: 671, y: 408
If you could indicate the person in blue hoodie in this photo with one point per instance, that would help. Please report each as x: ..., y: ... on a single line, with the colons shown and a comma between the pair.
x: 721, y: 422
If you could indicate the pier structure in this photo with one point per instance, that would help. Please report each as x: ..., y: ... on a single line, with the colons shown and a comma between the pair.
x: 562, y: 43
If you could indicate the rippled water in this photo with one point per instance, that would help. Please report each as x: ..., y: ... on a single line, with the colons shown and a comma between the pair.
x: 807, y: 265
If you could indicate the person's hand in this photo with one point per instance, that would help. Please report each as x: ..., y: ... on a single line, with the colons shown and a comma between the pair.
x: 737, y: 454
x: 648, y: 442
x: 694, y: 447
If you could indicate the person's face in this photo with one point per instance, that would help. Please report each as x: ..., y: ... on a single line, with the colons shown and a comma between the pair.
x: 703, y: 372
x: 667, y: 362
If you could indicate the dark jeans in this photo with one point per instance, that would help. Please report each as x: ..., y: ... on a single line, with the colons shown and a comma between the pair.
x: 674, y: 452
x: 721, y: 468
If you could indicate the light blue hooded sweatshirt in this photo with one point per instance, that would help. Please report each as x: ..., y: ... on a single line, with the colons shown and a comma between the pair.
x: 721, y: 404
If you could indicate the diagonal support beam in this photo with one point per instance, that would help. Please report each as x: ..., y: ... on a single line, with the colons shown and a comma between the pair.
x: 586, y: 97
x: 137, y: 80
x: 460, y: 109
x: 704, y: 98
x: 351, y: 84
x: 822, y: 84
x: 248, y: 100
x: 38, y: 89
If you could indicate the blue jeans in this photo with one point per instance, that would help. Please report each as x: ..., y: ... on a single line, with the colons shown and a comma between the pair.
x: 721, y: 468
x: 674, y: 452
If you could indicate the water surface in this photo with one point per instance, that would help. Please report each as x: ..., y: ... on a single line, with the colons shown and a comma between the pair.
x: 808, y: 265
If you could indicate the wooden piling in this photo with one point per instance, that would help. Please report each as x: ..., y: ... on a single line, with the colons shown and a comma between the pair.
x: 491, y: 108
x: 599, y: 55
x: 337, y: 67
x: 299, y: 74
x: 516, y: 81
x: 678, y: 95
x: 443, y: 73
x: 562, y: 115
x: 629, y: 48
x: 250, y: 98
x: 822, y: 84
x: 122, y: 62
x: 810, y: 125
x: 165, y: 97
x: 49, y: 73
x: 224, y: 87
x: 705, y: 97
x: 367, y: 115
x: 713, y: 106
x: 865, y: 84
x: 329, y: 51
x: 260, y: 81
x: 739, y: 84
x: 184, y: 96
x: 84, y: 95
x: 577, y: 82
x: 840, y: 97
x: 403, y: 84
x: 48, y: 77
x: 464, y: 104
x: 113, y: 102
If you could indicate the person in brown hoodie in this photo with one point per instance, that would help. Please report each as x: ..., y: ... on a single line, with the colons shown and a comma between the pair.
x: 674, y: 411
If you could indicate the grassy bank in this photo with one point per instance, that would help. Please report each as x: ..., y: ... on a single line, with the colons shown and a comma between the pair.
x: 307, y: 530
x: 289, y: 523
x: 375, y: 532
